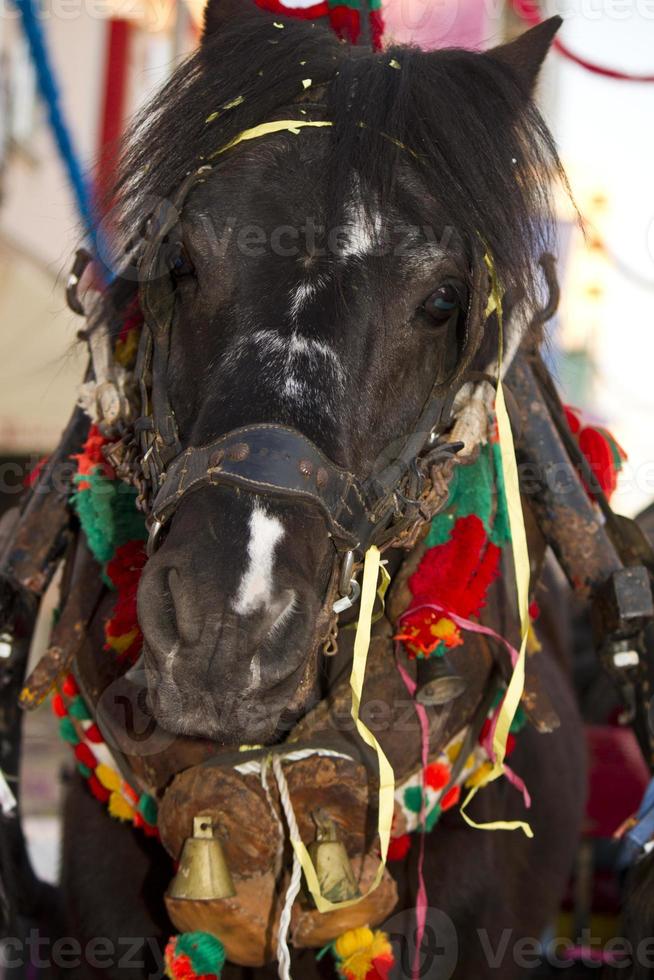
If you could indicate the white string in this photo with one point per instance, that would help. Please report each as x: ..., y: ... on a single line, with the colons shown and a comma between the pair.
x: 254, y: 766
x: 279, y: 860
x: 283, y: 954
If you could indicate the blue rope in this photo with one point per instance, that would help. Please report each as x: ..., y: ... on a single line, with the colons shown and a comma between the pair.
x: 49, y: 91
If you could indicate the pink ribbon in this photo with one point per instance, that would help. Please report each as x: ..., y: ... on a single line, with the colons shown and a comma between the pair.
x: 421, y: 896
x: 470, y: 626
x: 512, y: 776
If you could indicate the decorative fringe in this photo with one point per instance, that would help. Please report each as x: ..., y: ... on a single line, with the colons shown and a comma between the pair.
x: 194, y: 956
x: 104, y: 782
x: 106, y: 507
x: 463, y: 559
x: 115, y: 533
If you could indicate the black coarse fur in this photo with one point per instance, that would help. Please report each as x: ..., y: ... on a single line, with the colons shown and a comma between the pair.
x: 444, y: 115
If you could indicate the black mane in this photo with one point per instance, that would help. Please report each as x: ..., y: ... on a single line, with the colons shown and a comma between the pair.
x: 459, y: 118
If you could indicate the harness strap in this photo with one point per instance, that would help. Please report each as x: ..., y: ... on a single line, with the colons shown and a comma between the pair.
x: 270, y: 459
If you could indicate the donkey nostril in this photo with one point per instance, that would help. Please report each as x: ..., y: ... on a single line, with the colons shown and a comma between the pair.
x: 183, y: 609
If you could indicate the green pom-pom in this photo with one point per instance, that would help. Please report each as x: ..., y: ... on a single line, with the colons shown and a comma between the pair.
x: 68, y: 731
x: 147, y: 807
x: 84, y: 770
x: 519, y: 721
x: 206, y: 953
x: 520, y: 718
x: 78, y: 709
x: 413, y: 798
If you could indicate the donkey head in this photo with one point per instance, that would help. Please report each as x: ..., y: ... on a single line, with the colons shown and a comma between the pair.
x: 327, y: 280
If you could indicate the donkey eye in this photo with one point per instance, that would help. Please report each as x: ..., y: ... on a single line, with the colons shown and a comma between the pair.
x: 179, y: 262
x: 443, y: 302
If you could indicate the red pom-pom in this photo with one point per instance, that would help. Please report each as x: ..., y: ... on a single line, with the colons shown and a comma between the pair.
x: 437, y: 775
x: 85, y: 756
x: 485, y: 730
x: 314, y: 12
x: 399, y: 847
x: 178, y: 967
x: 69, y: 686
x: 376, y: 29
x: 58, y: 706
x: 93, y: 734
x: 451, y: 798
x: 345, y: 22
x: 99, y: 791
x: 573, y: 419
x: 534, y: 610
x: 597, y: 450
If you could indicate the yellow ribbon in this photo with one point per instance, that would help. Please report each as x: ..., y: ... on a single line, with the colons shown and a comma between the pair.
x: 520, y: 551
x: 382, y: 589
x: 265, y: 129
x: 386, y: 775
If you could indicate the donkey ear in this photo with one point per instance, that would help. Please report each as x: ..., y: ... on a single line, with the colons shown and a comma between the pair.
x: 219, y: 14
x: 526, y: 54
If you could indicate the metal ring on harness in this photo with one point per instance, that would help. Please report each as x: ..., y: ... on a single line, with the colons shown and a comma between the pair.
x: 347, y: 601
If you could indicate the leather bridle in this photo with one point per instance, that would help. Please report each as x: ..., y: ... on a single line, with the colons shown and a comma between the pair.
x: 385, y: 508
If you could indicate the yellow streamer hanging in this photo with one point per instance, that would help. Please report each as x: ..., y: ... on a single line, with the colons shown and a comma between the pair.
x: 386, y: 775
x: 516, y: 686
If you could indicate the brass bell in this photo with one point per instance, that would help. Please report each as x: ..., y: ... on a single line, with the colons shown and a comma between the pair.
x: 202, y: 874
x: 438, y: 682
x: 329, y: 857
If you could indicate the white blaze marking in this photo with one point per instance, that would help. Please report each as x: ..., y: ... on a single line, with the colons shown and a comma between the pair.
x: 301, y: 295
x: 255, y: 590
x: 363, y: 233
x: 304, y: 292
x: 288, y: 359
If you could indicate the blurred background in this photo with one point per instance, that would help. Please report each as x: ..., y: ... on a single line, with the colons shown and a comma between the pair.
x: 110, y: 55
